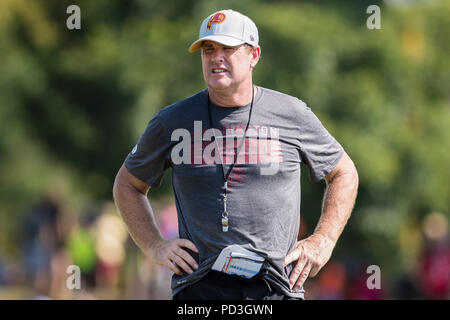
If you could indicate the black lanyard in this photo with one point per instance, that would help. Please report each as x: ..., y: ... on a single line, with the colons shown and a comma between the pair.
x: 226, y: 175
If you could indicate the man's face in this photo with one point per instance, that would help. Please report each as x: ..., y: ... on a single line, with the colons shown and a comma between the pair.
x: 226, y: 67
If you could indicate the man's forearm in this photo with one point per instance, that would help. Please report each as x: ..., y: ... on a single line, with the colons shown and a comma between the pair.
x: 314, y: 252
x: 138, y: 215
x: 338, y: 202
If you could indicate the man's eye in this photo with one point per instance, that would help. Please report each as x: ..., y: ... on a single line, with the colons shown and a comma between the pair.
x: 208, y: 49
x: 228, y: 48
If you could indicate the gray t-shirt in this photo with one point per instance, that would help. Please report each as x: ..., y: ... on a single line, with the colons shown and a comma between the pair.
x: 263, y: 188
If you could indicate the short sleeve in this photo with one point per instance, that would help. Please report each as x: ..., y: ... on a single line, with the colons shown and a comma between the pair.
x: 151, y: 156
x: 319, y: 149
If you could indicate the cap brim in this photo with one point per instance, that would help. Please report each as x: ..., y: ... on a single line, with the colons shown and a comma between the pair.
x: 225, y: 40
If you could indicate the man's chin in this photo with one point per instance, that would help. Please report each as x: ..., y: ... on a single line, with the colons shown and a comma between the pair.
x: 219, y: 86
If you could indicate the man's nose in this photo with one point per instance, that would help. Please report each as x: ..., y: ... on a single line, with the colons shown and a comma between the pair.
x: 218, y: 55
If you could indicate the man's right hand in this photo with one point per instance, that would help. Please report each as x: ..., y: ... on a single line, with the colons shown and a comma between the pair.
x: 170, y: 254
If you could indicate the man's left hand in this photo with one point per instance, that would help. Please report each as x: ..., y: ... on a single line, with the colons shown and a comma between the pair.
x: 311, y: 255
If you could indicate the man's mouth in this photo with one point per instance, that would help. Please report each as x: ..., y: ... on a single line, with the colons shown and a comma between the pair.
x: 218, y: 70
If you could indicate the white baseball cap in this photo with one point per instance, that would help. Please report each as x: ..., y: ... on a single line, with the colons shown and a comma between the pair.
x: 227, y: 27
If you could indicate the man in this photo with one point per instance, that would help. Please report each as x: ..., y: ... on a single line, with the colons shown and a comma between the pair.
x: 235, y: 151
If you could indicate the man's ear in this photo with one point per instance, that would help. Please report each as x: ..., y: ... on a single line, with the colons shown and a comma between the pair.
x: 256, y: 53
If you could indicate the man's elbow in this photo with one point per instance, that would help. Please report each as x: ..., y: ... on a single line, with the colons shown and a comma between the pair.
x: 120, y: 182
x: 345, y: 170
x: 125, y: 183
x: 116, y: 188
x: 352, y: 174
x: 353, y: 171
x: 356, y: 178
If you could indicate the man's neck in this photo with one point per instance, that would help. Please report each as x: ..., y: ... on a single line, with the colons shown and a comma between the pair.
x: 237, y: 98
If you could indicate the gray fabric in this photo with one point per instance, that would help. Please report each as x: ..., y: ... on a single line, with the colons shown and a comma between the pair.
x: 263, y: 209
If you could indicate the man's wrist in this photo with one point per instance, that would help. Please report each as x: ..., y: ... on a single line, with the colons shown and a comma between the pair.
x: 324, y: 239
x: 153, y: 246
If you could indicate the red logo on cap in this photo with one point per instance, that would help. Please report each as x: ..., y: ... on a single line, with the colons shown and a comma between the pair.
x: 219, y: 17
